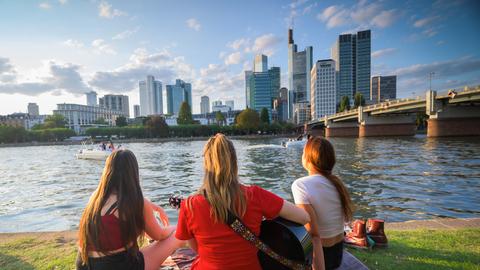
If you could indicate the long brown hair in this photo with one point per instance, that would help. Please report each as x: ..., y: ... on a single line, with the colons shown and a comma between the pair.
x: 120, y: 176
x: 220, y: 182
x: 320, y: 154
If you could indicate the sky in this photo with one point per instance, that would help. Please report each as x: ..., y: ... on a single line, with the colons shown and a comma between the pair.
x: 53, y: 51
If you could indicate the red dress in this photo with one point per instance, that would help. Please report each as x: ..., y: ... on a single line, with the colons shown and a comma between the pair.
x: 219, y: 247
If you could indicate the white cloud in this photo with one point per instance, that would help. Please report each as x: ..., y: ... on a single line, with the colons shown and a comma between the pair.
x: 44, y: 5
x: 362, y: 15
x: 266, y: 44
x: 233, y: 58
x: 105, y: 10
x: 7, y: 71
x: 239, y: 43
x: 62, y: 2
x: 194, y: 24
x: 425, y: 21
x: 125, y: 34
x: 100, y: 47
x: 309, y: 8
x: 430, y: 32
x: 73, y: 43
x: 383, y: 52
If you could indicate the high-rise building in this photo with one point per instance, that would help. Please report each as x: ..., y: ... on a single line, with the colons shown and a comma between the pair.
x: 230, y: 103
x: 136, y: 111
x: 261, y: 63
x: 151, y: 100
x: 382, y: 88
x: 280, y: 105
x: 204, y: 105
x: 352, y: 56
x: 275, y: 77
x: 248, y: 84
x: 299, y: 67
x: 91, y: 98
x: 177, y: 94
x: 323, y: 89
x: 116, y: 103
x: 301, y: 112
x: 33, y: 109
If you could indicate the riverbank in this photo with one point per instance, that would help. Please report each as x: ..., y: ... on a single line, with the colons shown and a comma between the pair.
x: 147, y: 140
x: 424, y: 244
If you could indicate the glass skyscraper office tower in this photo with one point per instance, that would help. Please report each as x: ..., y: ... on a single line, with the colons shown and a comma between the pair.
x: 177, y: 94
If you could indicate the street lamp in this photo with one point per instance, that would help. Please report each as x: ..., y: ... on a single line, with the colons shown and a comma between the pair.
x: 431, y: 75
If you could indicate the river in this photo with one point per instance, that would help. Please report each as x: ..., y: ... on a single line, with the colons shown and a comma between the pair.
x: 45, y: 188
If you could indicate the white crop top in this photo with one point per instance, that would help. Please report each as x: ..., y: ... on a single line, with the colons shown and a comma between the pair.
x: 319, y: 192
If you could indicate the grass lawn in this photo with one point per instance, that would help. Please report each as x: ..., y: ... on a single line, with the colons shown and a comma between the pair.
x: 418, y: 249
x: 426, y: 249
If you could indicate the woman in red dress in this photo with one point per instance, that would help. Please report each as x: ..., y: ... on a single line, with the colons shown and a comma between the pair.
x: 203, y: 216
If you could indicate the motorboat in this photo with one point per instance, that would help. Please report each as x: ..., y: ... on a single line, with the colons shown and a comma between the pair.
x: 295, y: 143
x: 96, y: 154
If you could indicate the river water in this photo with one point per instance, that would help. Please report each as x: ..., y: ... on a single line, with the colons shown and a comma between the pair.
x: 45, y: 188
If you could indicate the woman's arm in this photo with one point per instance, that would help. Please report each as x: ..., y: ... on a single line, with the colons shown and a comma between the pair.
x: 153, y: 229
x: 293, y: 213
x: 312, y: 228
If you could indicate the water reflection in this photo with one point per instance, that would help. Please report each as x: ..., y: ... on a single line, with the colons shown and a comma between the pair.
x: 46, y: 188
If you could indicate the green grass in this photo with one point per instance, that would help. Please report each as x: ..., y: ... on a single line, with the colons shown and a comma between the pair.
x: 30, y: 253
x: 426, y: 249
x: 419, y: 249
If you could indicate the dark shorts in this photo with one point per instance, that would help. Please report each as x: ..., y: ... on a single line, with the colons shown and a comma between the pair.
x: 120, y: 261
x: 333, y: 256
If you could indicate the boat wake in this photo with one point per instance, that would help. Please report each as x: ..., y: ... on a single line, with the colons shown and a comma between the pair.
x: 257, y: 146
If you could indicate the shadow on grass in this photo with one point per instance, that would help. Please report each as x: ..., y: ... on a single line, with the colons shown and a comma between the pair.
x: 403, y: 256
x: 8, y: 262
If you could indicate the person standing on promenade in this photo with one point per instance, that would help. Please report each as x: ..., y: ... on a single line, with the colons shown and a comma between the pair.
x: 116, y: 215
x: 203, y: 216
x: 325, y: 197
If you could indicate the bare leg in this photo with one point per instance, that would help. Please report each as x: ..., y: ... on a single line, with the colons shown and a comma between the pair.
x: 156, y: 253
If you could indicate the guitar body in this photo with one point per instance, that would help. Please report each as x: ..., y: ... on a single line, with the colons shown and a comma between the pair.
x: 288, y: 239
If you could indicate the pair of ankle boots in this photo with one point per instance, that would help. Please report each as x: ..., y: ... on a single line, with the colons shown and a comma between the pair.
x: 367, y: 234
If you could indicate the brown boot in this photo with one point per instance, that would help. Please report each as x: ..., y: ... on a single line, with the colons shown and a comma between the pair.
x: 357, y: 238
x: 375, y: 230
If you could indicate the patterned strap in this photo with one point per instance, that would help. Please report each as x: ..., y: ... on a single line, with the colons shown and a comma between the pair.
x: 248, y: 235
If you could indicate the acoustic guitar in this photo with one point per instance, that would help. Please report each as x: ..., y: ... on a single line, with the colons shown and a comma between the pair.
x: 287, y: 238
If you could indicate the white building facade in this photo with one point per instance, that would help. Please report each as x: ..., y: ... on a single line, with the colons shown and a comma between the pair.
x: 79, y: 117
x: 323, y: 92
x: 116, y: 103
x: 151, y: 100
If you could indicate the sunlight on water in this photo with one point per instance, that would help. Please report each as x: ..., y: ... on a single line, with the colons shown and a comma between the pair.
x: 45, y: 188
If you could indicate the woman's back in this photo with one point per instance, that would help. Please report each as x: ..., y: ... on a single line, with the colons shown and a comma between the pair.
x: 318, y: 191
x: 219, y: 247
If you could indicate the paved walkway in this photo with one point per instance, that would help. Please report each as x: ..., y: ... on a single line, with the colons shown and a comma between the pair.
x: 440, y: 223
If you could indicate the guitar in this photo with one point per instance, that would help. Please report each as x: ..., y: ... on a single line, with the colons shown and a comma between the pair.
x: 287, y: 238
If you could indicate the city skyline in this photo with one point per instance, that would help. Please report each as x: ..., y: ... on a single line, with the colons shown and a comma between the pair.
x: 116, y: 47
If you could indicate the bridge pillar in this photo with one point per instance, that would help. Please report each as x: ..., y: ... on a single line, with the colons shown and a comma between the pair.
x: 341, y: 129
x: 385, y: 125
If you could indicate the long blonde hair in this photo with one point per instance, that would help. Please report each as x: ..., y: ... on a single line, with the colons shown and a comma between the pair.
x: 120, y: 176
x: 220, y: 183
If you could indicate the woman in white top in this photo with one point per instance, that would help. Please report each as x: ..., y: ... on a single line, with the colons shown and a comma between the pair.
x: 325, y: 197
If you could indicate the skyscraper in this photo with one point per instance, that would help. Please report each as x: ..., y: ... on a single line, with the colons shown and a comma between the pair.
x: 382, y: 88
x: 275, y: 77
x: 136, y: 111
x: 33, y: 109
x: 248, y: 86
x: 299, y: 67
x: 260, y: 63
x: 116, y: 103
x: 91, y: 98
x: 352, y: 55
x: 151, y: 100
x: 177, y: 94
x: 323, y: 89
x: 280, y: 105
x: 204, y: 105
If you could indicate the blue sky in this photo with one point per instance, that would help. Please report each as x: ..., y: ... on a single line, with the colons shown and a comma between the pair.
x: 53, y: 51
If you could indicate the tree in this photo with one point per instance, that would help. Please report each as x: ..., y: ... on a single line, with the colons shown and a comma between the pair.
x: 359, y: 100
x: 344, y: 104
x: 220, y: 118
x: 53, y: 121
x: 185, y: 114
x: 121, y: 121
x: 156, y: 126
x: 264, y: 118
x: 101, y: 121
x: 248, y: 119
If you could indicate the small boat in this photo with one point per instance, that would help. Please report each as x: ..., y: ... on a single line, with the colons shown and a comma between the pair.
x: 295, y: 143
x: 96, y: 154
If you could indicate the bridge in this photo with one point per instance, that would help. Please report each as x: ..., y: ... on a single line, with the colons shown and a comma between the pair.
x: 453, y: 113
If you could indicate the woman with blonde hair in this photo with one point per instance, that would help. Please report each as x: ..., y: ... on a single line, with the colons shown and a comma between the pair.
x: 324, y: 196
x: 203, y: 216
x: 116, y: 216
